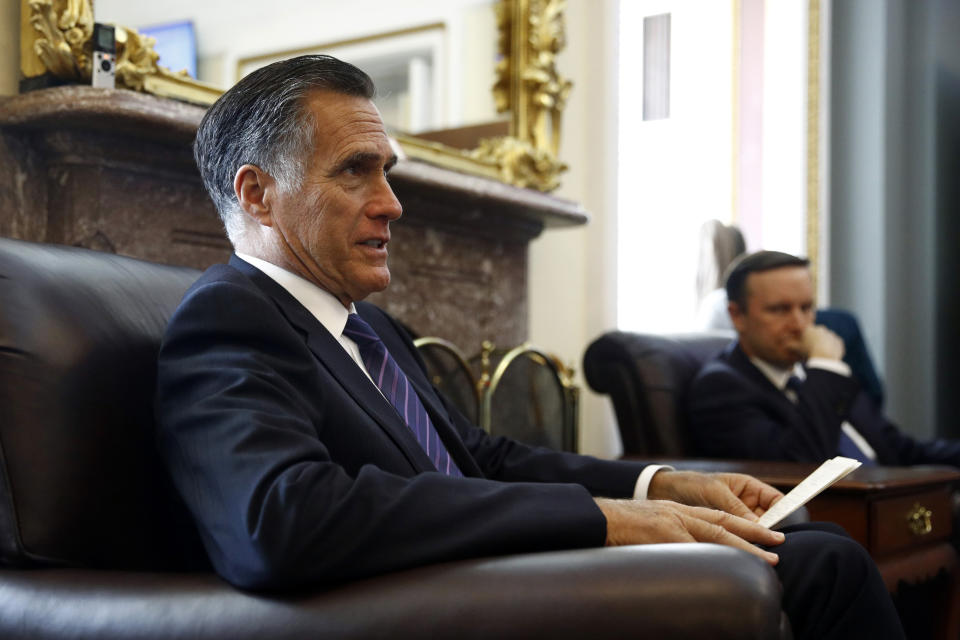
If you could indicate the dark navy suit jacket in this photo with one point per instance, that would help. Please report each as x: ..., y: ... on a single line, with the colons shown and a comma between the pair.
x: 298, y: 471
x: 734, y: 411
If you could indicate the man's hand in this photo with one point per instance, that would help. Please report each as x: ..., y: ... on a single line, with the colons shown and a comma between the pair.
x: 820, y: 342
x: 657, y: 521
x: 735, y: 493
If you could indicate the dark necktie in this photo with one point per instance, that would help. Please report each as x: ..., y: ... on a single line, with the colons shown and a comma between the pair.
x: 397, y: 389
x: 846, y: 447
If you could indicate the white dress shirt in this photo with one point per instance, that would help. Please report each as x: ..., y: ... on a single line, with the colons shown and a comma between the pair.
x: 322, y: 305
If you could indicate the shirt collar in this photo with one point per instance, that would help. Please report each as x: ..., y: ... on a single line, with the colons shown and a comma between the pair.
x: 777, y: 375
x: 323, y: 305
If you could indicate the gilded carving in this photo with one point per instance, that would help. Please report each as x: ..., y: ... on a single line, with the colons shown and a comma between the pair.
x: 136, y: 58
x: 501, y: 88
x: 528, y: 85
x: 521, y: 163
x: 547, y: 90
x: 64, y: 28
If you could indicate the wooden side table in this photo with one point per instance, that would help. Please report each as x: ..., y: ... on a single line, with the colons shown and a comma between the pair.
x: 903, y: 516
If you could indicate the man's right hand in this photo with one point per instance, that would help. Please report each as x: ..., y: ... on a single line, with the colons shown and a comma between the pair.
x: 820, y: 342
x: 654, y: 521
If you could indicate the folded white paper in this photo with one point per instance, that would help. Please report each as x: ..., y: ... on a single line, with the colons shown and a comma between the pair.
x: 824, y: 476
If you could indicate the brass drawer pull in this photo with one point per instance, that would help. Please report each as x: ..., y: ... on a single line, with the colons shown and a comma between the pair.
x: 920, y: 520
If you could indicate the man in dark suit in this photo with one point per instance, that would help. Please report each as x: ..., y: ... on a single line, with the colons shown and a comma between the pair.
x: 300, y: 427
x: 782, y: 390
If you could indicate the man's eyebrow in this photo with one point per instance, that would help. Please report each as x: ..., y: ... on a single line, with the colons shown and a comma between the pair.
x: 364, y: 158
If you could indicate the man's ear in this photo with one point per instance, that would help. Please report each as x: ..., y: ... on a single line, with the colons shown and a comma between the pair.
x: 254, y: 188
x: 737, y: 316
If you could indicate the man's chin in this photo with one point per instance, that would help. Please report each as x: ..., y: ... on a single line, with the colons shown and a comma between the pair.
x: 792, y: 357
x: 374, y: 285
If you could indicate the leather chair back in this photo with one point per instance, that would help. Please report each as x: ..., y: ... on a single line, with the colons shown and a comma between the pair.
x: 80, y: 483
x: 647, y: 377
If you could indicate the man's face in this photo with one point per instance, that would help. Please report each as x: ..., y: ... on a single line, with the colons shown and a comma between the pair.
x: 779, y: 310
x: 334, y: 230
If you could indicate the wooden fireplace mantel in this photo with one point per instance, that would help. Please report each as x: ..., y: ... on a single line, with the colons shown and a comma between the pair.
x: 112, y: 170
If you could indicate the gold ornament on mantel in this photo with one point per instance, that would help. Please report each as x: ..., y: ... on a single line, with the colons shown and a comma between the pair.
x: 61, y: 33
x: 530, y: 88
x: 63, y: 29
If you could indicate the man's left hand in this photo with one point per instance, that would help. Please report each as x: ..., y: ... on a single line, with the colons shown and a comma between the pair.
x: 735, y: 493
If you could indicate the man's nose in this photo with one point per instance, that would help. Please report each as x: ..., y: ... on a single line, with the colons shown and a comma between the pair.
x: 384, y: 202
x: 800, y: 318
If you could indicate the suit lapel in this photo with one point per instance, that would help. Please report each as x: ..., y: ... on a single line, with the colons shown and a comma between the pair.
x: 739, y: 361
x: 332, y: 356
x: 788, y: 411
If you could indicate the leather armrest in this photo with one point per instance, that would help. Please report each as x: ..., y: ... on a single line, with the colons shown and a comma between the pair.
x: 671, y: 591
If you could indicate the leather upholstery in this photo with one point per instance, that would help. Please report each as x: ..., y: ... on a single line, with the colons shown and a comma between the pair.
x: 693, y: 591
x: 79, y: 333
x: 647, y: 377
x: 90, y: 533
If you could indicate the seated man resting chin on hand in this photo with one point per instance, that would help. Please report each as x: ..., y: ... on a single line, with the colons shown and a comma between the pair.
x: 781, y: 391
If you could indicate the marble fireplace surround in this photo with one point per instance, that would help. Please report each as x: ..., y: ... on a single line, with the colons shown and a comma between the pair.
x: 112, y: 170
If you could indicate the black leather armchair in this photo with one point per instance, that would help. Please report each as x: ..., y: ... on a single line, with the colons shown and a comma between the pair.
x: 94, y: 544
x: 646, y: 377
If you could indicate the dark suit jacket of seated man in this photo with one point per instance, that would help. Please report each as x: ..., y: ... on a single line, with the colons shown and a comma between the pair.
x: 744, y: 403
x: 309, y: 454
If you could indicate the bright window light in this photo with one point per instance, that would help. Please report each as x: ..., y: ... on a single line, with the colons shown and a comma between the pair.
x: 674, y: 172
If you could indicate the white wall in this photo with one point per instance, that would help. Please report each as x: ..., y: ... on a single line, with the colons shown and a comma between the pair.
x: 573, y: 272
x: 675, y: 173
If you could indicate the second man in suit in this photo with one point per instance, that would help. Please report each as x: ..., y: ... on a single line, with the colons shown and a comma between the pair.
x: 781, y: 391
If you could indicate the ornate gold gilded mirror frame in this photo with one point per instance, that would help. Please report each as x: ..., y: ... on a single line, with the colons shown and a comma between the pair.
x: 55, y: 40
x: 530, y: 88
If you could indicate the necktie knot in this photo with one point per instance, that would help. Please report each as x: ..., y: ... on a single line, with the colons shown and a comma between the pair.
x: 359, y: 331
x: 793, y: 383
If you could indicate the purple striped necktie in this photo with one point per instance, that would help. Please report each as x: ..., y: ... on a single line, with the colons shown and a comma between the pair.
x: 398, y: 390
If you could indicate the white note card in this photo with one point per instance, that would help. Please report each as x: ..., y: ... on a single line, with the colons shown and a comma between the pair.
x: 824, y: 476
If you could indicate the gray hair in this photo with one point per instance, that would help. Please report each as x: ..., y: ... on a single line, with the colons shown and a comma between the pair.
x: 262, y: 121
